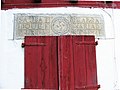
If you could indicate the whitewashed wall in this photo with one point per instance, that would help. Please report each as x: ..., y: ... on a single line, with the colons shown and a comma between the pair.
x: 108, y: 50
x: 117, y: 44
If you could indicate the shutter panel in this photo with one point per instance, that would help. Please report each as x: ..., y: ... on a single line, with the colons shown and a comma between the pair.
x: 85, y: 63
x: 65, y: 58
x: 41, y: 62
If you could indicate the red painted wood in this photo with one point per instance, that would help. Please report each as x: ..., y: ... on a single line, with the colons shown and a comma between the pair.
x: 51, y: 1
x: 68, y: 62
x: 85, y: 63
x: 8, y: 4
x: 17, y: 1
x: 41, y: 62
x: 65, y: 53
x: 91, y: 62
x: 30, y: 63
x: 77, y: 57
x: 79, y: 62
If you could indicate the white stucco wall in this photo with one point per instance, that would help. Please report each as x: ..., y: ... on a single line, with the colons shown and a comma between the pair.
x: 117, y: 44
x: 108, y: 58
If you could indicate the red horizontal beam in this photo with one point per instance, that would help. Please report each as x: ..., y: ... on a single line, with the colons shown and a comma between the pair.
x: 82, y: 4
x: 87, y: 43
x: 89, y: 87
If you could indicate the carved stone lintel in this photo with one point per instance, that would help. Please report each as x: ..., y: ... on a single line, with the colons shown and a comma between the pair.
x: 58, y: 24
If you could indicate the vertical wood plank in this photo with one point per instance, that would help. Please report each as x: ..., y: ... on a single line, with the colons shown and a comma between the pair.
x: 66, y: 63
x: 48, y: 78
x: 79, y: 61
x: 30, y: 63
x: 54, y: 77
x: 91, y: 67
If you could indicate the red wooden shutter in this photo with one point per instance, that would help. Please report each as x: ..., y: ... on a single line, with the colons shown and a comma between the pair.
x: 68, y: 62
x: 85, y: 71
x: 41, y: 62
x: 77, y: 63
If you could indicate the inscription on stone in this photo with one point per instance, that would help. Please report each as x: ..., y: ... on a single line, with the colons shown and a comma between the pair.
x: 58, y: 24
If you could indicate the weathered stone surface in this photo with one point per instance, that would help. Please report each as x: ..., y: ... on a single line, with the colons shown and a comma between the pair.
x: 58, y: 24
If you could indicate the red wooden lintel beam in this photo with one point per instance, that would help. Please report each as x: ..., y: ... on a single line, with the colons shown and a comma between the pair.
x: 82, y: 4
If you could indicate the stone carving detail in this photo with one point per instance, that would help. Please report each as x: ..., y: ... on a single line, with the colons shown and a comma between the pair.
x: 58, y: 24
